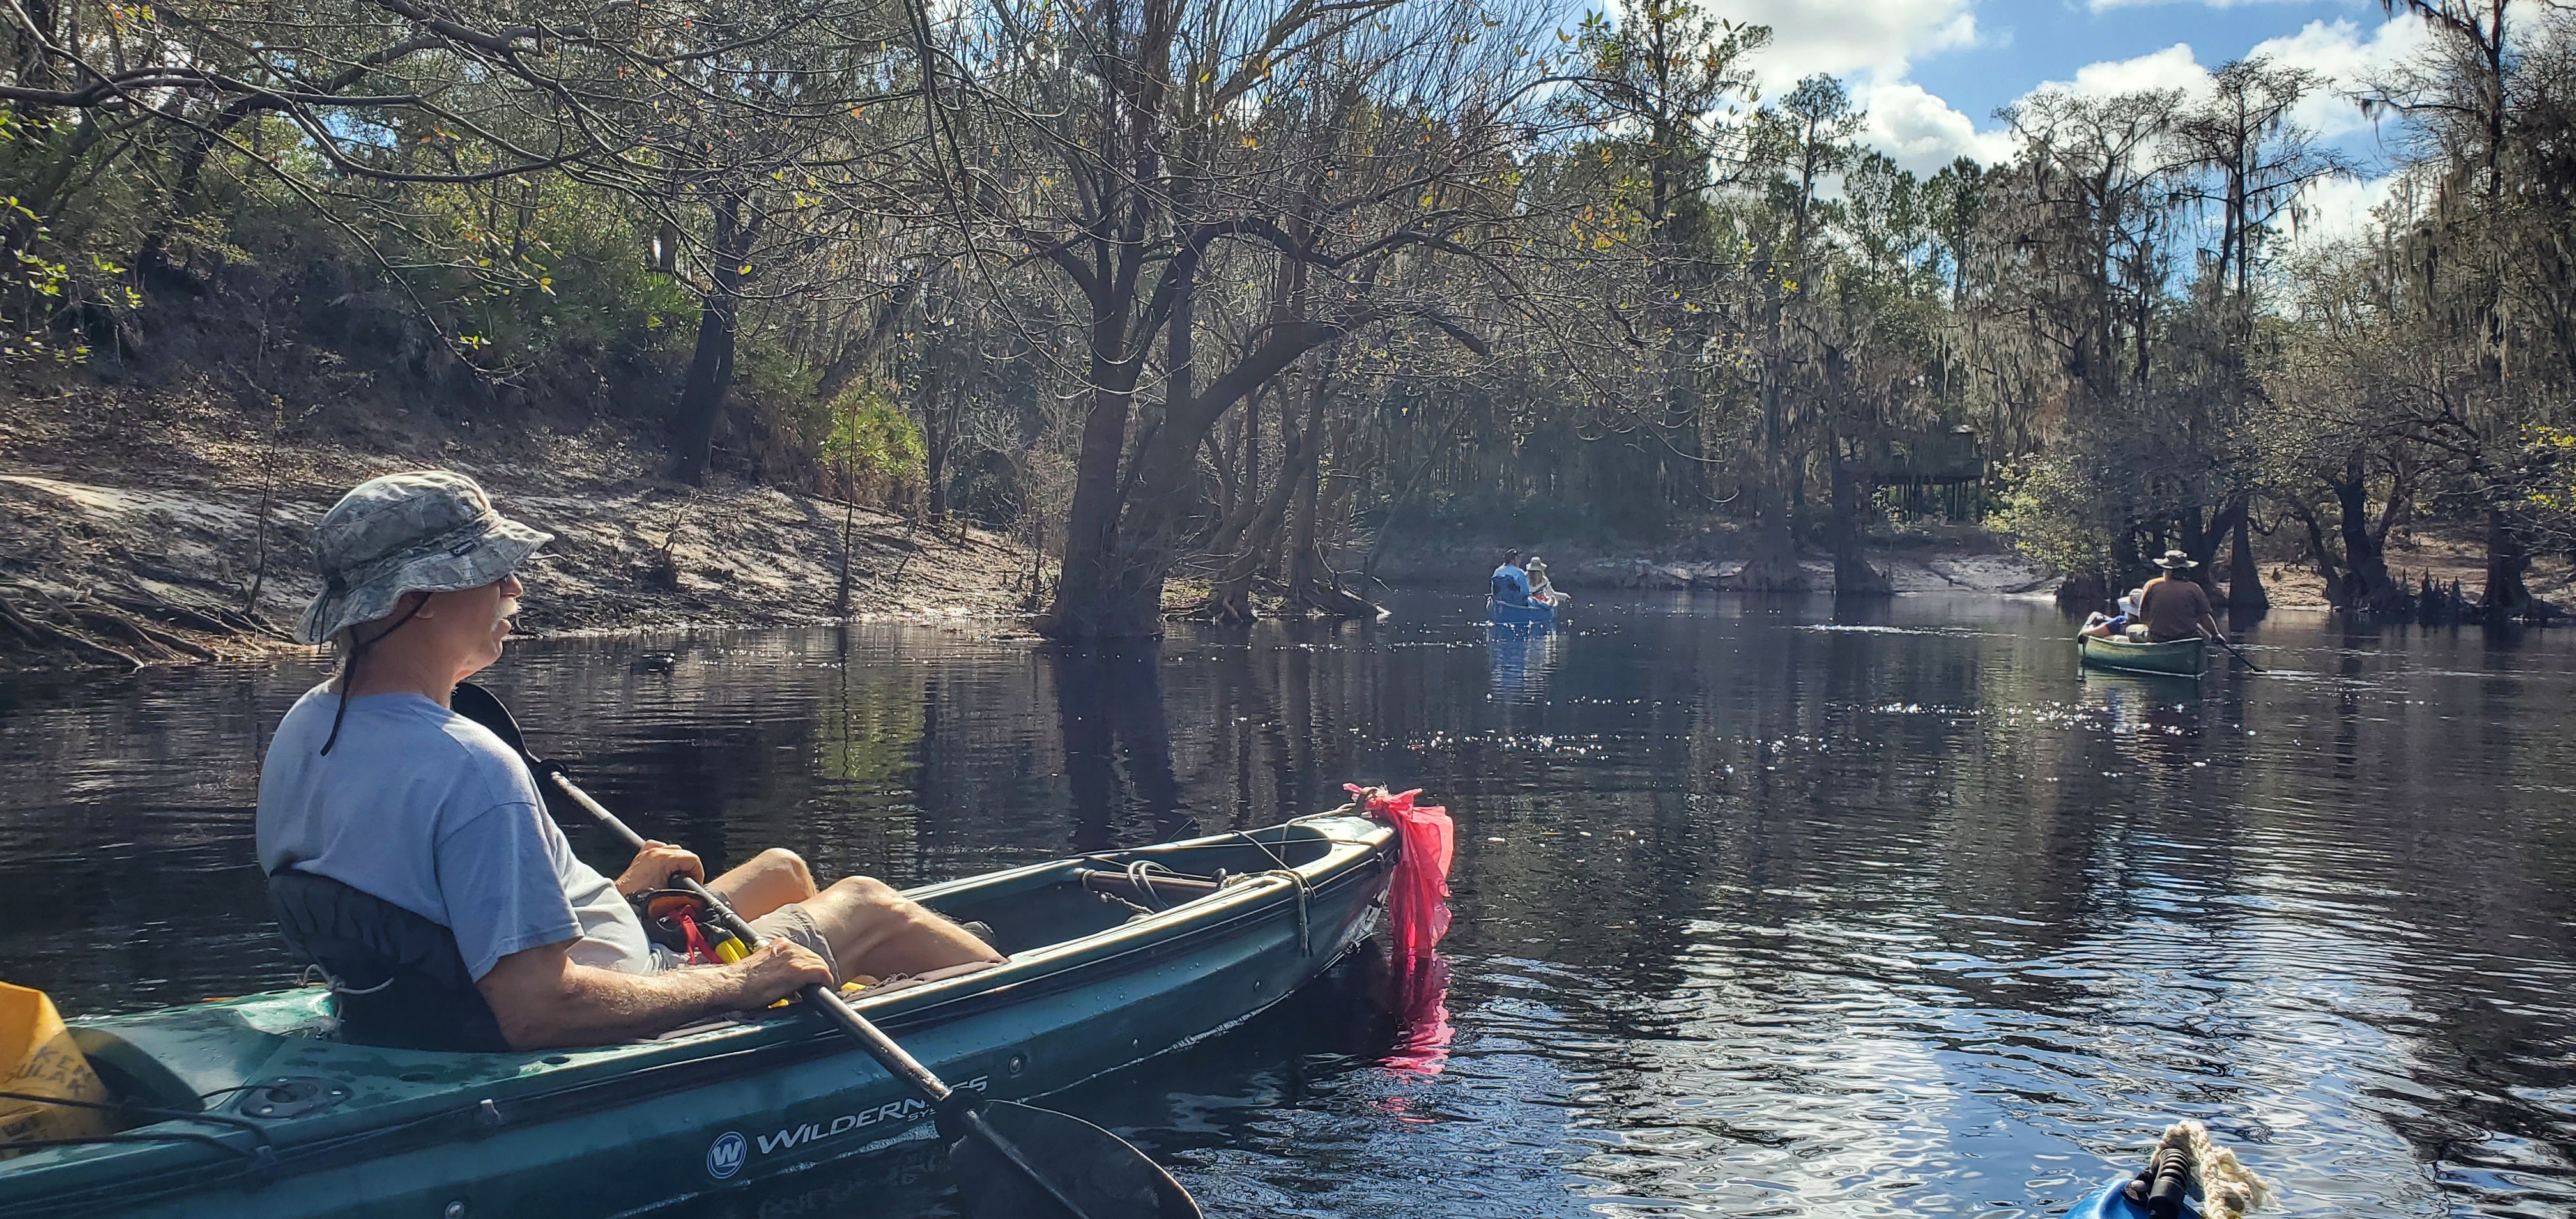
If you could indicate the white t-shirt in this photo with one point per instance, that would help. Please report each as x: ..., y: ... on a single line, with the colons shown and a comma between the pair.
x: 427, y: 809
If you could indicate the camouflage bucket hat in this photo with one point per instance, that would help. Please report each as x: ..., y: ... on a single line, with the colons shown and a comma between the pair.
x: 431, y: 531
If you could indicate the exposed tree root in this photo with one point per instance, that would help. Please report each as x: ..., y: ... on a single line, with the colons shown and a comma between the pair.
x: 1772, y: 573
x: 1854, y: 576
x: 1233, y: 602
x: 38, y: 631
x: 1253, y: 600
x: 1327, y: 598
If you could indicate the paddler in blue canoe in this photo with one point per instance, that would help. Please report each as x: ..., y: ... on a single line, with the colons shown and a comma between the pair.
x: 1511, y: 585
x: 1542, y: 590
x: 419, y: 840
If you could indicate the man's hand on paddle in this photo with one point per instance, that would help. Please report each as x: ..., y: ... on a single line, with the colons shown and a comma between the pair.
x: 543, y: 1000
x: 656, y: 864
x: 778, y: 970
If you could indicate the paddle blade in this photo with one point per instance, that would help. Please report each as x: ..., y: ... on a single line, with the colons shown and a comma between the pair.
x: 483, y: 707
x: 1103, y: 1175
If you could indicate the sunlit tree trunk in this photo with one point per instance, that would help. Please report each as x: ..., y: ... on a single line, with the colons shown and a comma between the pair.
x: 710, y: 375
x: 2508, y: 558
x: 2245, y: 593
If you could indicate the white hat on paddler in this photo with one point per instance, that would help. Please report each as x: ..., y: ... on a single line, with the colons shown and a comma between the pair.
x: 428, y: 531
x: 2176, y: 560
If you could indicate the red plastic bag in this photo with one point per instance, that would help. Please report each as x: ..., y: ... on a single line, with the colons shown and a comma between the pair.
x: 1417, y: 909
x: 1417, y: 899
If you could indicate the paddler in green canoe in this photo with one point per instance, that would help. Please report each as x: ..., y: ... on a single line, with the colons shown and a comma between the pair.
x: 413, y: 812
x: 2177, y: 608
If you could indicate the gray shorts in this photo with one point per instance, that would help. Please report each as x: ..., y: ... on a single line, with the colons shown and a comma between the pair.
x: 788, y: 922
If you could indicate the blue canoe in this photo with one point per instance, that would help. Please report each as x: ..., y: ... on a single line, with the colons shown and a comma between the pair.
x: 1533, y: 614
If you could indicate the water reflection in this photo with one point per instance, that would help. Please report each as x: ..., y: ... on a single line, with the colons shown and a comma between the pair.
x: 1522, y: 656
x: 1765, y: 907
x: 1117, y: 744
x: 1418, y: 997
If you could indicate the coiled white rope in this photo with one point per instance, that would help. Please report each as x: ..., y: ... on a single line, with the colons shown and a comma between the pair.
x: 2228, y: 1189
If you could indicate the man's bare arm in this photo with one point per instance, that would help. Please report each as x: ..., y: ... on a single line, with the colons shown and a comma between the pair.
x: 543, y: 1000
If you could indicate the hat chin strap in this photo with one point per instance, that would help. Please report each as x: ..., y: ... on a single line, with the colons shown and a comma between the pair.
x: 349, y: 668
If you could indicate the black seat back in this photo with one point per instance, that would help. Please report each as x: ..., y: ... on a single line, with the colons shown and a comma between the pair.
x: 397, y: 978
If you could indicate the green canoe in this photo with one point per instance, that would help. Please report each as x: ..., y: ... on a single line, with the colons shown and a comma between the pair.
x: 274, y: 1118
x: 2180, y: 657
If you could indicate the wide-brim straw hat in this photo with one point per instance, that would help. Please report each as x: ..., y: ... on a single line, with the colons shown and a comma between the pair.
x: 429, y: 531
x: 2176, y: 560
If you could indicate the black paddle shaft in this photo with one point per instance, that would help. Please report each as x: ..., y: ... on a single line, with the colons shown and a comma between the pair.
x: 2239, y: 654
x: 1159, y: 1196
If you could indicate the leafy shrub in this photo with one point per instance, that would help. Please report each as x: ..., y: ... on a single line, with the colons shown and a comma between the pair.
x: 873, y: 446
x: 2055, y: 515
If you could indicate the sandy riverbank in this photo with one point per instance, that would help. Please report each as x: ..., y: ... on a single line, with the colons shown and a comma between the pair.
x: 182, y: 535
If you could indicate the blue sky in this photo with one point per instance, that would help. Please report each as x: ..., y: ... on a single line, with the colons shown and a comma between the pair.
x: 1932, y: 72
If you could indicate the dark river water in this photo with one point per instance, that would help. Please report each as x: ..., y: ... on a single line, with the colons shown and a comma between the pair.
x: 1763, y: 908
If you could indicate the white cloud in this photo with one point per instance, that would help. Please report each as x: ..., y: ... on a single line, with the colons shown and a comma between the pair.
x: 1922, y: 132
x: 2339, y: 208
x: 1875, y: 40
x: 2101, y: 6
x: 2171, y: 68
x: 2337, y: 52
x: 1871, y: 45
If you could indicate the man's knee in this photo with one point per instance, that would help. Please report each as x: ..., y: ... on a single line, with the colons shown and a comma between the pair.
x: 787, y: 863
x: 867, y: 891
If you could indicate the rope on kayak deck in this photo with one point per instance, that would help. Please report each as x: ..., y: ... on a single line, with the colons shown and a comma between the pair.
x: 337, y: 987
x: 1296, y: 882
x: 1141, y: 874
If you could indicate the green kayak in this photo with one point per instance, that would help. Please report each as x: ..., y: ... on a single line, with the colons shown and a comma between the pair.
x: 2180, y: 657
x: 1114, y: 958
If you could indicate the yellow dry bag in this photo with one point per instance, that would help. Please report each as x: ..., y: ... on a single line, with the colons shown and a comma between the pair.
x: 38, y: 1059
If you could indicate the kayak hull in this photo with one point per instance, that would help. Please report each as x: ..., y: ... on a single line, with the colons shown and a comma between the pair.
x: 2178, y: 658
x: 2109, y: 1202
x: 636, y: 1127
x: 1532, y: 615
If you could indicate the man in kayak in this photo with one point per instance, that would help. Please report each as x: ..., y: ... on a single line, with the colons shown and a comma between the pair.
x: 373, y: 782
x: 1511, y: 584
x: 2174, y: 607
